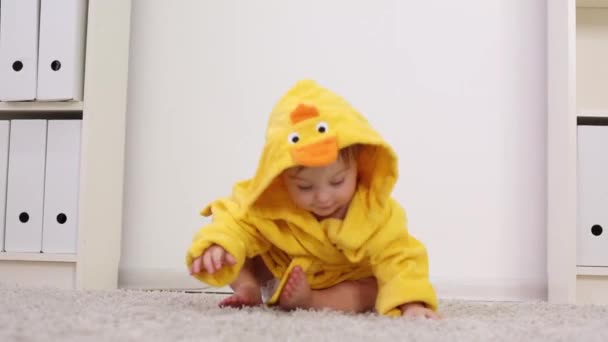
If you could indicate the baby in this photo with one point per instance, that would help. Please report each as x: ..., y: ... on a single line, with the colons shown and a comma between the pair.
x: 316, y: 226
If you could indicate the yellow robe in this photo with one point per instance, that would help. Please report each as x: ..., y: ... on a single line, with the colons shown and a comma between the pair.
x: 260, y: 219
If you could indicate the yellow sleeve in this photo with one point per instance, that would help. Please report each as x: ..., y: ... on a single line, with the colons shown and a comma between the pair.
x: 235, y: 235
x: 400, y: 265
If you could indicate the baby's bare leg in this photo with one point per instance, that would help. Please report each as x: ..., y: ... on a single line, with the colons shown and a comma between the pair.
x: 248, y: 284
x: 348, y: 296
x: 351, y: 296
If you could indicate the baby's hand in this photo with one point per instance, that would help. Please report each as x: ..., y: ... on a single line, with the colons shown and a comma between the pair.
x: 212, y: 260
x: 417, y: 309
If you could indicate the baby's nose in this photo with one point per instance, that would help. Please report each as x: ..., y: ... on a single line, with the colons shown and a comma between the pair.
x: 322, y: 197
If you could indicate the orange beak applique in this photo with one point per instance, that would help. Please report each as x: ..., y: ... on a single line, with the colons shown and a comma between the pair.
x: 321, y: 153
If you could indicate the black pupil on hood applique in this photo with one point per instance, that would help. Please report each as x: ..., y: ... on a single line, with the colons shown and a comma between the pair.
x: 322, y: 127
x: 293, y: 138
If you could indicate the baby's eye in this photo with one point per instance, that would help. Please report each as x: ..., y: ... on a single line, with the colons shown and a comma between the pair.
x: 293, y: 138
x: 338, y: 182
x: 322, y: 127
x: 305, y: 187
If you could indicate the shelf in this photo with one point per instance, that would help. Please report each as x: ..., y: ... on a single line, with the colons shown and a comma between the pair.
x: 591, y: 54
x: 592, y: 3
x: 100, y: 197
x: 591, y: 120
x: 40, y: 106
x: 591, y: 271
x: 37, y: 257
x: 38, y: 274
x: 592, y: 113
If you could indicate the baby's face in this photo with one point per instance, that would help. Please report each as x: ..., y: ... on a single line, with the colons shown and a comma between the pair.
x: 325, y: 191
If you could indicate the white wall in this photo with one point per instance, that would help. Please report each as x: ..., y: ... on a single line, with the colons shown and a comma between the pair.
x: 457, y: 87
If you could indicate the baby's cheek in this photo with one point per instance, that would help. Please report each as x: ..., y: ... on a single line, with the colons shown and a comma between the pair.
x: 349, y: 190
x: 342, y: 196
x: 303, y: 200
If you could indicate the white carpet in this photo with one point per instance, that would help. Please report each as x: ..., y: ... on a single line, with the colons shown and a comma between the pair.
x: 121, y: 315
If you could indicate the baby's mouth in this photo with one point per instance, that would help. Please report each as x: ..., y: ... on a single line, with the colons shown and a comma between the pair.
x: 328, y: 211
x: 325, y: 208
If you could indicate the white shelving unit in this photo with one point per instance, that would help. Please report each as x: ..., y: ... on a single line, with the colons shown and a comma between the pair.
x: 577, y: 89
x: 103, y: 111
x: 11, y: 107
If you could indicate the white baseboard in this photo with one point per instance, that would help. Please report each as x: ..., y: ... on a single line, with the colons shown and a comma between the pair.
x: 491, y: 289
x: 161, y: 279
x: 447, y: 288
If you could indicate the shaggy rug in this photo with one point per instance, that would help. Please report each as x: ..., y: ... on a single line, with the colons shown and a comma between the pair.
x: 130, y: 315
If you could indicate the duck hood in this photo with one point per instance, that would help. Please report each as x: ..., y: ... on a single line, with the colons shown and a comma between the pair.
x: 308, y: 127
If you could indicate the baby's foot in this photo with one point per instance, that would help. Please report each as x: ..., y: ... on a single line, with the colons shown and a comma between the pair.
x: 296, y: 292
x: 243, y: 296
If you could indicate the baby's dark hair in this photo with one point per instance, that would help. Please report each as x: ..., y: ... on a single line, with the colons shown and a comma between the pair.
x: 349, y: 153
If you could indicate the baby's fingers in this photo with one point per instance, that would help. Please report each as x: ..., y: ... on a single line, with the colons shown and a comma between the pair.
x: 417, y: 313
x: 432, y: 315
x: 196, y: 266
x: 413, y: 314
x: 422, y: 313
x: 230, y: 259
x: 208, y: 263
x: 217, y: 256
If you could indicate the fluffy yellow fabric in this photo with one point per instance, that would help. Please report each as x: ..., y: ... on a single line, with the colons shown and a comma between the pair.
x: 307, y: 127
